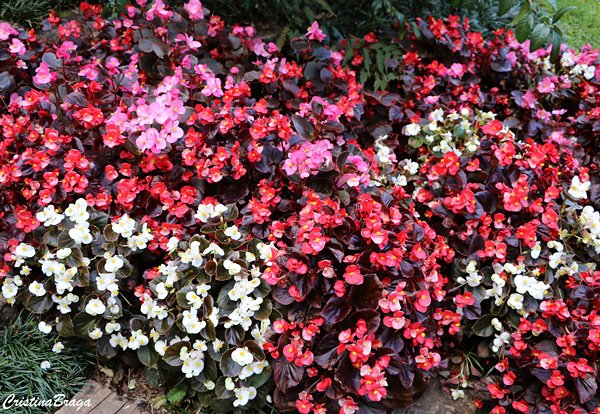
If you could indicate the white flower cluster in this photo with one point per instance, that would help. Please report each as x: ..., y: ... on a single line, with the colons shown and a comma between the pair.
x: 208, y: 211
x: 578, y: 190
x: 588, y: 72
x: 193, y: 361
x: 523, y: 284
x: 247, y: 305
x: 589, y: 219
x: 125, y: 227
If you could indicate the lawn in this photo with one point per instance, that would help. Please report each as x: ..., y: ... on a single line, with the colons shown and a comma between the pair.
x: 580, y: 26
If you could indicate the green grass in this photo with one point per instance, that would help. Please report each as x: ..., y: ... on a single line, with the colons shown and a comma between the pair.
x: 582, y: 25
x: 22, y: 350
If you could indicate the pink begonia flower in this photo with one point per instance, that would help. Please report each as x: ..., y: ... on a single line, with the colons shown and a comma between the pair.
x: 194, y: 8
x: 147, y: 139
x: 64, y: 51
x: 314, y: 33
x: 546, y: 86
x: 43, y: 74
x: 213, y: 87
x: 529, y: 100
x: 6, y: 30
x: 456, y: 70
x: 189, y: 41
x: 258, y: 47
x: 336, y: 57
x: 17, y: 47
x: 432, y: 99
x: 159, y: 8
x: 160, y: 112
x: 21, y: 65
x: 113, y: 65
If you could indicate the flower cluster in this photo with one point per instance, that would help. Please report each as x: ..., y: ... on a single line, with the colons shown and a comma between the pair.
x: 252, y: 226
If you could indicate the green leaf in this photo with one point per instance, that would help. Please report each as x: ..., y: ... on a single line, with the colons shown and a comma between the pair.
x: 415, y: 142
x: 64, y: 326
x: 470, y: 4
x: 172, y: 353
x: 539, y: 36
x: 561, y: 12
x: 455, y: 3
x: 303, y: 126
x: 504, y: 6
x: 64, y: 240
x: 552, y: 3
x: 555, y: 46
x: 178, y: 393
x: 523, y: 28
x: 525, y: 9
x: 83, y: 324
x: 483, y: 326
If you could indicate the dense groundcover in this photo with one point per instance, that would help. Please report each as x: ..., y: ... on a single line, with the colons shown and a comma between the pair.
x: 259, y: 227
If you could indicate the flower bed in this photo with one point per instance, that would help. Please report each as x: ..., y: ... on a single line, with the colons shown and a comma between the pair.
x: 257, y: 227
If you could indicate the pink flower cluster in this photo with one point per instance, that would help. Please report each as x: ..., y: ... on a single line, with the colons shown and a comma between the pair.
x: 307, y: 159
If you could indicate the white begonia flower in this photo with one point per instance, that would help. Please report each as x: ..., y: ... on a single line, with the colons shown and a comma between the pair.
x: 474, y: 279
x: 200, y: 345
x: 96, y: 333
x: 58, y: 347
x: 538, y: 290
x: 250, y: 257
x: 63, y: 253
x: 515, y: 301
x: 535, y: 251
x: 45, y: 365
x: 107, y: 281
x: 118, y: 339
x: 77, y: 212
x: 523, y: 283
x: 37, y: 289
x: 124, y: 226
x: 194, y: 300
x: 113, y: 263
x: 232, y: 267
x: 202, y: 290
x: 112, y: 327
x: 500, y: 340
x: 137, y: 339
x: 243, y: 395
x: 233, y: 233
x: 161, y: 290
x: 195, y: 327
x: 498, y: 280
x: 160, y: 347
x: 497, y: 324
x: 242, y: 356
x: 193, y: 365
x: 44, y: 327
x: 229, y: 384
x: 206, y: 211
x: 412, y: 130
x: 456, y: 394
x: 95, y: 307
x: 81, y: 234
x: 555, y: 259
x: 172, y: 244
x: 49, y: 216
x: 9, y: 290
x: 23, y: 250
x: 213, y: 249
x: 210, y: 385
x: 252, y: 369
x: 578, y: 190
x: 218, y: 345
